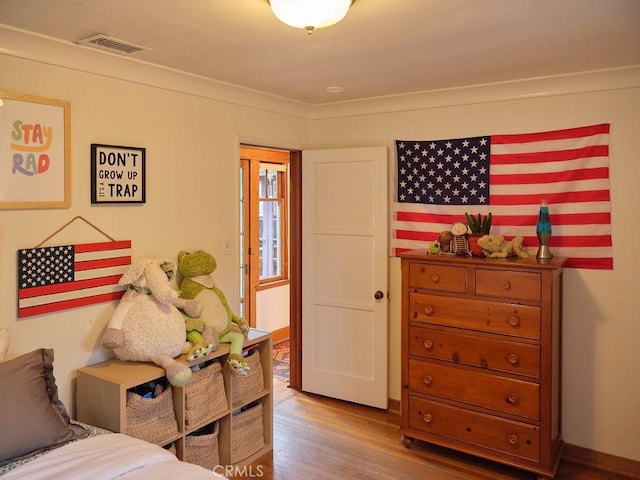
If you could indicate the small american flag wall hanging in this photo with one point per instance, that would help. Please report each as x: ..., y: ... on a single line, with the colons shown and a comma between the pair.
x: 51, y: 279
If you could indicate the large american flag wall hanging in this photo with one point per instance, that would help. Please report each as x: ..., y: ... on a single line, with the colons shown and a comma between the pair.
x: 57, y: 278
x: 509, y: 175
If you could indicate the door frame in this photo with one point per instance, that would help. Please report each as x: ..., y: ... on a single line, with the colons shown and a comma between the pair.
x: 295, y: 262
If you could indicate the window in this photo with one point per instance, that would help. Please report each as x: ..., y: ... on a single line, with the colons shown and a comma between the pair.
x: 271, y: 222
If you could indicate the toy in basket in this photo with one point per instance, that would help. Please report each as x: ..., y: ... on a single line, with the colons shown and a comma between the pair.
x: 244, y: 386
x: 205, y: 395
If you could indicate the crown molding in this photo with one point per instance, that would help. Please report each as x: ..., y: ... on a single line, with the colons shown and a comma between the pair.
x: 39, y: 48
x: 51, y: 51
x: 580, y: 82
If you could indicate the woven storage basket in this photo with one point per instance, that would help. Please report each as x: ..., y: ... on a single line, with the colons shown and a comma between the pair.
x: 247, y: 433
x: 203, y: 449
x: 151, y: 419
x: 243, y: 386
x: 205, y: 395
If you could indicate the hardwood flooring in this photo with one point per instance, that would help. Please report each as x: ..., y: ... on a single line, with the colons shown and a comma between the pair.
x: 318, y: 438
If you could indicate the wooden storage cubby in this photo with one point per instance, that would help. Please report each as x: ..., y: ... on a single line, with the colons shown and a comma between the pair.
x: 101, y: 397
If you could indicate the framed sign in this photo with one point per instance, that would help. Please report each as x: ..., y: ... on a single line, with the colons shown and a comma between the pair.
x: 35, y: 156
x: 117, y: 174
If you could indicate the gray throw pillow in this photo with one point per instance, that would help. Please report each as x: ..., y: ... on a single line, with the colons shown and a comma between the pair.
x: 32, y: 418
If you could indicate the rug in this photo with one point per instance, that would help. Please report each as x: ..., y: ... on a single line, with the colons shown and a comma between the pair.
x: 281, y: 362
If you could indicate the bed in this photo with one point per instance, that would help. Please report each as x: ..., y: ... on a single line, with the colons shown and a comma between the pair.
x: 38, y: 440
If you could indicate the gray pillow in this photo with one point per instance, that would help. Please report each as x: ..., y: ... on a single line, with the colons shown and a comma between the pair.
x: 32, y: 418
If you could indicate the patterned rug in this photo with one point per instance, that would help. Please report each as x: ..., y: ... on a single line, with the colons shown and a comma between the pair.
x: 281, y: 362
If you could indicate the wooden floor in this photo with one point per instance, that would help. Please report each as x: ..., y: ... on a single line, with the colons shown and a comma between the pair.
x: 318, y: 438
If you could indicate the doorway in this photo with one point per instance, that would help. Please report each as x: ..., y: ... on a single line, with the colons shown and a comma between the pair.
x: 270, y: 245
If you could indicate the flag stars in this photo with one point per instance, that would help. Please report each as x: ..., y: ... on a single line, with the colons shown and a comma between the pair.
x: 454, y: 171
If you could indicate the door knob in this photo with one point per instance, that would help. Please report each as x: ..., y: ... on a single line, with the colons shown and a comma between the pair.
x: 379, y: 295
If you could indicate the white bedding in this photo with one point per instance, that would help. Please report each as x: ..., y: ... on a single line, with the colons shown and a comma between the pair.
x: 107, y: 457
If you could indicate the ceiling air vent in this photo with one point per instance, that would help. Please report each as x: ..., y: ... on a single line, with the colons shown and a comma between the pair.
x: 104, y: 42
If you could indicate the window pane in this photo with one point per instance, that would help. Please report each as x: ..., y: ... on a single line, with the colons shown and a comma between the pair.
x: 262, y: 183
x: 272, y: 175
x: 270, y: 242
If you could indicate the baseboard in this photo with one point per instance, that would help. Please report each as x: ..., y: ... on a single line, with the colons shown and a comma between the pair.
x: 280, y: 335
x: 394, y: 405
x: 615, y: 467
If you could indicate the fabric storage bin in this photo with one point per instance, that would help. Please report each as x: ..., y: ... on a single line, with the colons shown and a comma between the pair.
x: 243, y: 386
x: 247, y: 433
x: 204, y: 395
x: 151, y: 419
x: 201, y: 447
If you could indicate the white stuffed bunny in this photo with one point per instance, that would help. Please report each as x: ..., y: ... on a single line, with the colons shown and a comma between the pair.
x: 147, y: 325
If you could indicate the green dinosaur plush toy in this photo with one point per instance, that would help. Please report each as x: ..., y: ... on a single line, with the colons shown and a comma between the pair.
x: 197, y: 283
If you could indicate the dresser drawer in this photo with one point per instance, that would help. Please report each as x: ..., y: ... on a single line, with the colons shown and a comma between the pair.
x: 525, y: 286
x: 442, y: 278
x: 489, y: 353
x: 504, y: 318
x: 502, y: 435
x: 476, y: 388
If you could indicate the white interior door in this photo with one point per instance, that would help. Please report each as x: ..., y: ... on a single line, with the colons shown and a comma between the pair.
x: 344, y: 263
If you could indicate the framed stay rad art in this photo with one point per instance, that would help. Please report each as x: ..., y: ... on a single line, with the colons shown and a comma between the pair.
x: 35, y: 157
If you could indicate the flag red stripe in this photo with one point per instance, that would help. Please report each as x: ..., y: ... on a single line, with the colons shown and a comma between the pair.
x: 94, y: 247
x: 551, y: 177
x: 78, y: 302
x: 556, y: 219
x: 552, y: 198
x: 416, y: 235
x: 553, y: 135
x: 511, y: 220
x: 552, y: 156
x: 68, y: 286
x: 573, y: 240
x: 596, y: 263
x: 101, y: 263
x: 426, y: 217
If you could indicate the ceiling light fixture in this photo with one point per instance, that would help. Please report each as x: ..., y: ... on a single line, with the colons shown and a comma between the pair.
x: 310, y: 14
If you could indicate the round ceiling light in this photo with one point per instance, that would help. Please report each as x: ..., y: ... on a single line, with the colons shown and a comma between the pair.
x: 310, y: 14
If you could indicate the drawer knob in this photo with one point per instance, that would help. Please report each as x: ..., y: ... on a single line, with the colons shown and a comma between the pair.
x: 513, y: 359
x: 512, y: 399
x: 427, y: 418
x: 428, y: 344
x: 513, y: 439
x: 428, y: 380
x: 435, y: 278
x: 514, y: 321
x: 428, y: 309
x: 506, y: 285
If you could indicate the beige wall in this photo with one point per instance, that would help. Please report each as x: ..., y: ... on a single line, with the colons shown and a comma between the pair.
x: 601, y: 320
x: 192, y: 142
x: 191, y: 129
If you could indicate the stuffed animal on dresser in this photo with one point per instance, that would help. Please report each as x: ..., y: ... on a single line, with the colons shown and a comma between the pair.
x: 147, y: 325
x: 495, y: 246
x: 197, y: 269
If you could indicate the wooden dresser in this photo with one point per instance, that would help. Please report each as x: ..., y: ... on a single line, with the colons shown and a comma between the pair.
x: 481, y: 357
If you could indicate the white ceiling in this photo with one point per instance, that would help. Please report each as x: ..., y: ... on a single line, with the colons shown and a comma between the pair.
x: 382, y: 47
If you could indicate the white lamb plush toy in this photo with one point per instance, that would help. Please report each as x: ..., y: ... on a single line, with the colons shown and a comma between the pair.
x: 147, y: 325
